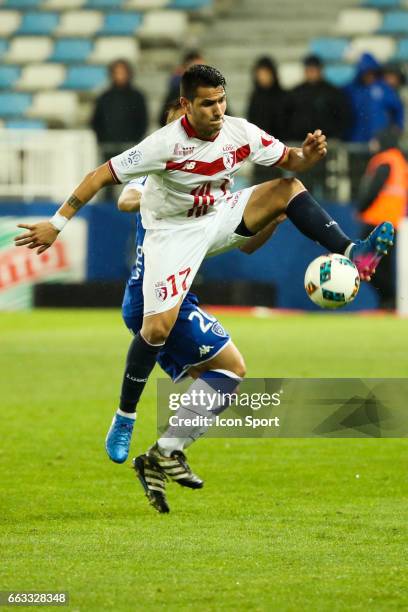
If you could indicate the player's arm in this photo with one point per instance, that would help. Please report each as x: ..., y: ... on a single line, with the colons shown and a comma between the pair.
x: 41, y: 235
x: 312, y: 151
x: 129, y: 200
x: 255, y: 243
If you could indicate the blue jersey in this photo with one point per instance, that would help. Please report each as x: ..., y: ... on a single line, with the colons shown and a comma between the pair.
x: 196, y: 336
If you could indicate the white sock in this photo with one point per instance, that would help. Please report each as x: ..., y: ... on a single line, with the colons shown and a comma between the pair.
x: 168, y: 445
x: 178, y: 438
x: 127, y: 415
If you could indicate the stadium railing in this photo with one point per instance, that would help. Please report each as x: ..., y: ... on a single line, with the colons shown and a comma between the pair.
x: 44, y: 164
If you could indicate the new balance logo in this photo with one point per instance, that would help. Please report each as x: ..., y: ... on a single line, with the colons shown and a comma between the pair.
x: 189, y: 165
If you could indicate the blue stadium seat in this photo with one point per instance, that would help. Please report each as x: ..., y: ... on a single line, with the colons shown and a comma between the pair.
x: 26, y: 124
x: 191, y: 5
x: 121, y: 24
x: 68, y: 50
x: 14, y: 104
x: 20, y: 4
x: 329, y: 49
x: 382, y: 3
x: 395, y: 22
x: 401, y: 54
x: 85, y: 77
x: 339, y: 74
x: 8, y: 76
x: 104, y: 4
x: 3, y: 46
x: 38, y: 23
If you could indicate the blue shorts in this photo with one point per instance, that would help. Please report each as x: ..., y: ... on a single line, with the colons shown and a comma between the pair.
x: 195, y: 338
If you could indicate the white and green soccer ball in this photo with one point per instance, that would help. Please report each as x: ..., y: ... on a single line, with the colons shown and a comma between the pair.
x: 332, y: 281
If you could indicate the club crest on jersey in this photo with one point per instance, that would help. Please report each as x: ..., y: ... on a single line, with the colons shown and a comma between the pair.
x: 161, y: 291
x: 229, y: 160
x: 218, y: 330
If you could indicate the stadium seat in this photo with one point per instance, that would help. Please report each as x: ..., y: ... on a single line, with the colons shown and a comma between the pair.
x: 85, y: 77
x: 161, y: 27
x: 291, y: 74
x: 358, y: 21
x: 104, y: 4
x: 9, y: 22
x: 145, y: 5
x: 8, y: 76
x: 382, y: 47
x: 14, y: 104
x: 68, y: 50
x: 395, y: 22
x: 25, y: 124
x: 190, y: 5
x: 79, y: 23
x: 60, y: 5
x: 122, y: 24
x: 38, y: 23
x: 3, y: 46
x: 381, y: 4
x: 401, y: 54
x: 55, y: 105
x: 21, y: 4
x: 35, y: 77
x: 108, y: 49
x: 25, y: 49
x: 329, y: 49
x: 339, y: 74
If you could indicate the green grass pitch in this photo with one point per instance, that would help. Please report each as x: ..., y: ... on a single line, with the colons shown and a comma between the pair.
x: 279, y: 525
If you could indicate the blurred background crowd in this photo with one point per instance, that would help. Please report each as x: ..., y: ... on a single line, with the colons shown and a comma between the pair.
x: 81, y: 80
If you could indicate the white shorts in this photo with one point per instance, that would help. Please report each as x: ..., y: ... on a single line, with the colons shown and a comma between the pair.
x: 172, y: 257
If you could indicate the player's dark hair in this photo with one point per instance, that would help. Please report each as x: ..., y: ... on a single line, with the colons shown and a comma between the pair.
x: 200, y: 75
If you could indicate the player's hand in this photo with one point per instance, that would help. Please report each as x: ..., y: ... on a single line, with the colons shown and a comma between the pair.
x: 315, y: 146
x: 39, y: 236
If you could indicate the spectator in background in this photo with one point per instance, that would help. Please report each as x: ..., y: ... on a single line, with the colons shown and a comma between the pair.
x: 316, y: 102
x: 190, y: 58
x: 394, y: 76
x: 266, y: 108
x: 267, y: 102
x: 375, y: 105
x: 383, y: 195
x: 120, y: 116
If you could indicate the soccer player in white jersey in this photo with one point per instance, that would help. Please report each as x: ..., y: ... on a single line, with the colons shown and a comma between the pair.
x: 189, y: 210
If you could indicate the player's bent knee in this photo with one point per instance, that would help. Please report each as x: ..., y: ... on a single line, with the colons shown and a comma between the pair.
x: 156, y: 332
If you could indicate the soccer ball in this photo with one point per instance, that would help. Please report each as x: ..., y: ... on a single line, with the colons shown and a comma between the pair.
x: 332, y: 281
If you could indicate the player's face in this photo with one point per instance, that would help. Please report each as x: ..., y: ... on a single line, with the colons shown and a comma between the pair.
x: 206, y: 111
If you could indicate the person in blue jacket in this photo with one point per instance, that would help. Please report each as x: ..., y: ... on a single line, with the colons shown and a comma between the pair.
x: 374, y: 104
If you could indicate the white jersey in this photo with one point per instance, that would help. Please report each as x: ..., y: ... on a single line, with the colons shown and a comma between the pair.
x: 190, y: 178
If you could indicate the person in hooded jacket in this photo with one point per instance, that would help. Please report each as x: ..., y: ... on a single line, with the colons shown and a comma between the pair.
x: 375, y: 105
x: 267, y: 107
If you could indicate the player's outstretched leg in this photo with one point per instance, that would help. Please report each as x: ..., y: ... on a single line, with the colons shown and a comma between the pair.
x: 367, y: 254
x: 153, y: 481
x: 289, y: 196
